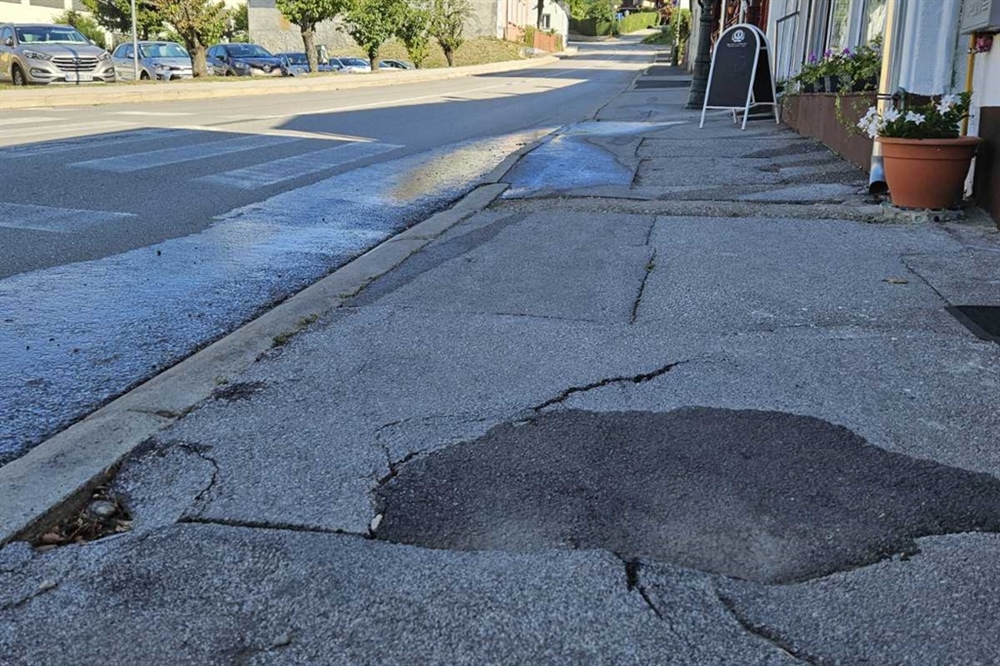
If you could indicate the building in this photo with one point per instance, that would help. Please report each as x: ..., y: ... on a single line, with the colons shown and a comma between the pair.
x: 931, y: 56
x: 36, y: 11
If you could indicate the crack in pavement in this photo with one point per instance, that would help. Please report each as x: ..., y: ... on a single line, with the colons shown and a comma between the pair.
x: 634, y: 379
x: 266, y: 525
x: 199, y: 503
x: 650, y: 267
x: 768, y: 635
x: 906, y: 264
x: 632, y: 583
x: 44, y: 587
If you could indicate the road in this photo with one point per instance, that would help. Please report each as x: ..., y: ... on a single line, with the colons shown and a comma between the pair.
x: 133, y: 235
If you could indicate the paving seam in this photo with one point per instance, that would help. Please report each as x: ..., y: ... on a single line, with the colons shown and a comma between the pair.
x: 53, y: 478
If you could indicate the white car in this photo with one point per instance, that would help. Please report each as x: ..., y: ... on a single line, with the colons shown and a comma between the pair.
x: 352, y: 65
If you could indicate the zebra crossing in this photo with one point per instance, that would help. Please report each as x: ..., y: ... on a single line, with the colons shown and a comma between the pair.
x: 197, y: 146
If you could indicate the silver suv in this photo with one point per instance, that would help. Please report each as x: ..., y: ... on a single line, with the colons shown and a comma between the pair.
x: 45, y: 53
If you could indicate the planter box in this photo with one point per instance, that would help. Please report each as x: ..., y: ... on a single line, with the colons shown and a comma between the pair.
x: 815, y: 115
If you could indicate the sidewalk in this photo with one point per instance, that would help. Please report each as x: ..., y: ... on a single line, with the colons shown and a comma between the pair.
x: 672, y: 397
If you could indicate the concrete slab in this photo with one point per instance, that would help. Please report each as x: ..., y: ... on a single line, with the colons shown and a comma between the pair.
x: 209, y: 594
x: 584, y: 267
x: 718, y: 276
x: 939, y: 606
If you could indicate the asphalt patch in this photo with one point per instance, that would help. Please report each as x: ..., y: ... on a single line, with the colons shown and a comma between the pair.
x: 982, y: 320
x: 764, y: 496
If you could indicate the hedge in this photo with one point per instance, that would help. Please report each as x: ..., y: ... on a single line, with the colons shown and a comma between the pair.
x: 590, y: 27
x: 639, y: 21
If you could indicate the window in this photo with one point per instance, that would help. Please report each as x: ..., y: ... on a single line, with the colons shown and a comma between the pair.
x: 838, y: 32
x: 6, y: 34
x: 874, y: 20
x: 546, y: 21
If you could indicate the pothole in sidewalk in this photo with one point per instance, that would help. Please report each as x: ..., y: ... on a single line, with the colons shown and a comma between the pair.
x: 765, y: 496
x: 101, y: 516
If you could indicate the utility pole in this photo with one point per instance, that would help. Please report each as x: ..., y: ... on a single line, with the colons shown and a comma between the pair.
x: 135, y: 46
x: 703, y: 61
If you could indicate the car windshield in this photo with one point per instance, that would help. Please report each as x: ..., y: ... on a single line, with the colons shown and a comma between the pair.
x: 297, y: 58
x: 354, y: 62
x: 49, y: 34
x: 162, y: 51
x: 248, y: 51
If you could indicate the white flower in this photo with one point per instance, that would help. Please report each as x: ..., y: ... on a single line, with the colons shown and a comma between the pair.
x: 946, y: 103
x: 917, y: 118
x: 890, y: 115
x: 871, y: 123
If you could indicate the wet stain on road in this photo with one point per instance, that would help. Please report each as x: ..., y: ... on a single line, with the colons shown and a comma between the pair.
x: 765, y: 496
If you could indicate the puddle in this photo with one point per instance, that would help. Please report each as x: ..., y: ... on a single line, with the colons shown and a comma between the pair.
x: 569, y: 161
x: 73, y: 336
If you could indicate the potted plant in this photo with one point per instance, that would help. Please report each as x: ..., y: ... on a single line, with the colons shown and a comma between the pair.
x: 862, y: 67
x: 809, y: 75
x: 926, y: 161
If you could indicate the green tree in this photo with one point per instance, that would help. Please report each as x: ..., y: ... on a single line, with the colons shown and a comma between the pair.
x: 448, y: 19
x: 374, y: 22
x: 198, y: 22
x: 116, y: 16
x: 86, y: 25
x: 602, y: 10
x: 413, y: 31
x: 306, y: 14
x: 238, y: 24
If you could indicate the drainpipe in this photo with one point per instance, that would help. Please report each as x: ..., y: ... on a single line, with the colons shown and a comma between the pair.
x: 876, y: 174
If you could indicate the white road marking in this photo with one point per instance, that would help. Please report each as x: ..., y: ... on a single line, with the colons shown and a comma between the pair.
x: 298, y: 134
x: 56, y: 220
x: 166, y: 156
x: 163, y: 114
x: 84, y: 142
x: 278, y: 171
x: 58, y: 127
x: 36, y: 120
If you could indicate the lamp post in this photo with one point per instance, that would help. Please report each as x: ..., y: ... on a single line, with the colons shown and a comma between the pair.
x: 135, y: 46
x: 703, y: 61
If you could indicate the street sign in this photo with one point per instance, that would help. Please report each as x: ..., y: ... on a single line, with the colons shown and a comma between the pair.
x: 740, y: 76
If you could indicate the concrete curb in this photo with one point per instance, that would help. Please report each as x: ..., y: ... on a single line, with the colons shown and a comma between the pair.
x: 170, y: 92
x: 51, y: 479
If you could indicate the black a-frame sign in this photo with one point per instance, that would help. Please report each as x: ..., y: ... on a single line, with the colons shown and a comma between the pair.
x: 740, y: 76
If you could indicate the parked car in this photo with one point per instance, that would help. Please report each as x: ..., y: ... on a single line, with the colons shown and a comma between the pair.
x: 157, y: 60
x: 351, y: 65
x: 395, y: 64
x: 242, y: 60
x: 47, y: 53
x: 297, y: 63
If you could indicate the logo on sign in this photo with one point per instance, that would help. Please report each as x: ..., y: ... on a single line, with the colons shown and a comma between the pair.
x: 739, y: 36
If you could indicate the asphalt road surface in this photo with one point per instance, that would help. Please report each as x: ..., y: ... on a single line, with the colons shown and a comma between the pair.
x: 131, y: 235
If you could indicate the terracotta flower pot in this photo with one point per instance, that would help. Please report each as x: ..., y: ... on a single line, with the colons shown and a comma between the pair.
x: 927, y: 173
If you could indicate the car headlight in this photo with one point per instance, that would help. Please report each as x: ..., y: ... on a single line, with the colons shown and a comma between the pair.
x: 35, y: 55
x: 241, y: 65
x: 160, y: 67
x: 104, y: 56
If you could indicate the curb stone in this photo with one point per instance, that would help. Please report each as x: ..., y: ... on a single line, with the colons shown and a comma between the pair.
x: 53, y: 478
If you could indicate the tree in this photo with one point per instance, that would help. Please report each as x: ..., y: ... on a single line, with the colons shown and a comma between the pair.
x: 116, y: 16
x: 374, y: 22
x: 447, y: 22
x: 87, y: 26
x: 238, y: 24
x: 198, y: 22
x: 306, y: 14
x: 413, y: 31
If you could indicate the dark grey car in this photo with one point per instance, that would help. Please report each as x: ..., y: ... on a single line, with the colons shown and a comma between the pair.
x: 157, y: 60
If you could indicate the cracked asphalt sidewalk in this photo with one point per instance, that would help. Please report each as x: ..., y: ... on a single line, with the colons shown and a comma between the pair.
x: 674, y: 398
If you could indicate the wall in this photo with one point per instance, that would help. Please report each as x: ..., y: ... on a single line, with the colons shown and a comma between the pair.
x: 985, y: 122
x: 36, y: 11
x: 270, y: 29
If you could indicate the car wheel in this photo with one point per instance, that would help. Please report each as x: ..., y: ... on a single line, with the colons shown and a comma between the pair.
x: 229, y: 72
x: 18, y: 76
x: 143, y: 76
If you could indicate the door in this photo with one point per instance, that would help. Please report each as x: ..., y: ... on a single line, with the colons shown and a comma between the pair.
x: 122, y: 58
